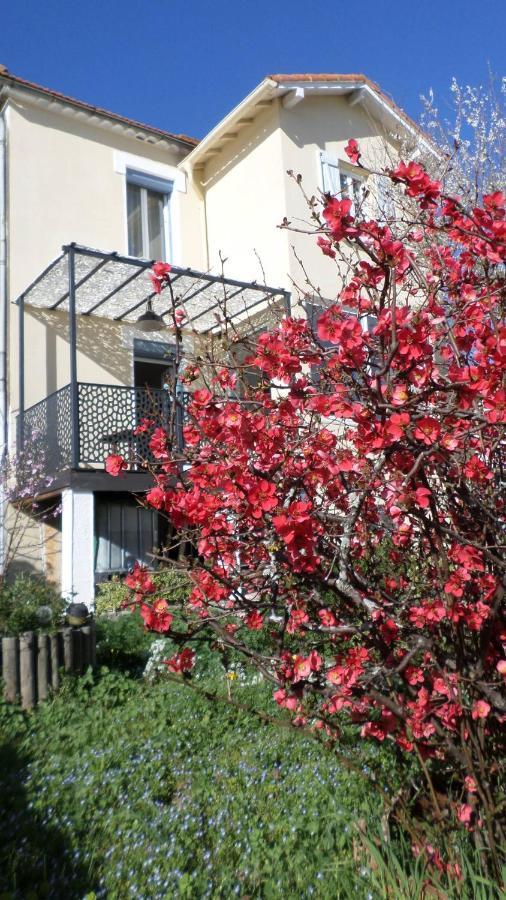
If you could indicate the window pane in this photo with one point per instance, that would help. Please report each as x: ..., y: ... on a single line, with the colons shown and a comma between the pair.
x: 155, y: 225
x: 358, y: 192
x: 148, y: 536
x: 130, y: 536
x: 134, y: 220
x: 102, y: 558
x: 115, y: 537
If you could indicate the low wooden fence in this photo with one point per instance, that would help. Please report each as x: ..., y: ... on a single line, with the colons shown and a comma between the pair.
x: 31, y: 663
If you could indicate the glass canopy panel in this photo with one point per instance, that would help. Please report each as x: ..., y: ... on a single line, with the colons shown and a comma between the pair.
x: 117, y: 287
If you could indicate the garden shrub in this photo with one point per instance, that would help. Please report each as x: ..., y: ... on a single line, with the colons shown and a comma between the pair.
x: 111, y: 595
x: 123, y: 642
x: 29, y: 603
x: 352, y: 510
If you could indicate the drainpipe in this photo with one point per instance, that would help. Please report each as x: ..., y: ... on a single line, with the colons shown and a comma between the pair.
x: 3, y: 328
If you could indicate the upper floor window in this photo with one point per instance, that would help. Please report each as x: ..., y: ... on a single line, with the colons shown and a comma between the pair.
x: 385, y: 198
x: 148, y: 216
x: 340, y: 182
x: 353, y: 187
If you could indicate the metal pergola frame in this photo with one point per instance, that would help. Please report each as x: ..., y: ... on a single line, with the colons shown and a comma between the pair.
x: 204, y: 285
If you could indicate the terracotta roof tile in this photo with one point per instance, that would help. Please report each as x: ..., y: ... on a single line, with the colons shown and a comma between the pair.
x: 6, y: 76
x: 335, y: 77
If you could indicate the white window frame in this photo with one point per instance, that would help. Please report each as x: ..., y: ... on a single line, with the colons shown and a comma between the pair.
x: 349, y: 178
x: 384, y: 200
x: 331, y: 173
x: 158, y: 185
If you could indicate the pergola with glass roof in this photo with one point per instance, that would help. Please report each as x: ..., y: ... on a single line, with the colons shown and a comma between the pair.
x: 87, y: 282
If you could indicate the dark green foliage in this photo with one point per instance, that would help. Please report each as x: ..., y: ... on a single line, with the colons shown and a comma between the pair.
x: 119, y: 789
x: 171, y: 583
x: 136, y: 791
x: 123, y: 643
x: 21, y: 602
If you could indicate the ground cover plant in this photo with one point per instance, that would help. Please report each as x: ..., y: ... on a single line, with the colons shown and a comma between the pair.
x: 377, y: 427
x: 117, y: 788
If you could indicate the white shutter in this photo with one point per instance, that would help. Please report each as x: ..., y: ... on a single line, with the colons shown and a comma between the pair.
x: 330, y: 173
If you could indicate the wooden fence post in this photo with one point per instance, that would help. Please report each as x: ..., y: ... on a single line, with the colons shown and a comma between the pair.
x: 10, y: 668
x: 68, y: 650
x: 27, y: 669
x: 86, y: 647
x: 93, y: 648
x: 43, y: 666
x: 56, y: 643
x: 77, y: 641
x: 30, y: 663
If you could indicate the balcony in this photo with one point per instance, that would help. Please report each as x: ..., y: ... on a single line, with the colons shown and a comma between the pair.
x: 74, y: 429
x: 106, y: 421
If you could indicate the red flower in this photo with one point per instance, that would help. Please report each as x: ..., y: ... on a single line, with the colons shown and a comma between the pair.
x: 327, y: 618
x: 476, y: 470
x: 418, y: 183
x: 338, y: 219
x: 427, y: 430
x: 156, y: 497
x: 156, y: 616
x: 326, y: 247
x: 480, y: 709
x: 158, y: 443
x: 161, y: 269
x: 115, y: 464
x: 140, y: 580
x: 143, y: 426
x: 288, y: 701
x: 202, y: 397
x: 181, y: 662
x: 254, y: 620
x: 352, y: 151
x: 159, y: 276
x: 464, y: 813
x: 263, y: 498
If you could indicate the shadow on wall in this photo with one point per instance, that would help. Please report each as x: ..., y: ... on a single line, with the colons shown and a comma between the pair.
x: 315, y: 120
x: 33, y: 543
x: 99, y: 340
x: 36, y: 857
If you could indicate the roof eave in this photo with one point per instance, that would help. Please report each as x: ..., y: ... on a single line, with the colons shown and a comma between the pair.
x: 239, y: 115
x: 279, y: 86
x: 15, y: 89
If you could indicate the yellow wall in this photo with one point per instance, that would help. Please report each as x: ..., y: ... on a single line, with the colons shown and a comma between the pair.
x: 64, y: 185
x: 248, y: 192
x: 244, y: 201
x: 324, y: 124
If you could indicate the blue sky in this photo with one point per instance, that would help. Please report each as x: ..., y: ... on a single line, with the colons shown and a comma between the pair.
x: 183, y: 65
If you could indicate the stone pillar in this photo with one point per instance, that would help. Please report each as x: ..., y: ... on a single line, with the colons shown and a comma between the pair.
x: 77, y: 562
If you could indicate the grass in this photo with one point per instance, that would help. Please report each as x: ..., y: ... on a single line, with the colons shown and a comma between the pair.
x: 129, y: 790
x: 120, y: 789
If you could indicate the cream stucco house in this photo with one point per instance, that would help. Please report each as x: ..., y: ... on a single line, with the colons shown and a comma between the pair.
x: 87, y: 199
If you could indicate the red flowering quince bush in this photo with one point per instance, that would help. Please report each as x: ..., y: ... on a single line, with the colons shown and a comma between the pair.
x: 352, y: 509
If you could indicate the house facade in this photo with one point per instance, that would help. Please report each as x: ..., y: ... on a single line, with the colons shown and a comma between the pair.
x: 87, y: 199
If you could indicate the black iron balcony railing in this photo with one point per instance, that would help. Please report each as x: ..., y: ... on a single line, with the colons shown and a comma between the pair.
x: 107, y: 421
